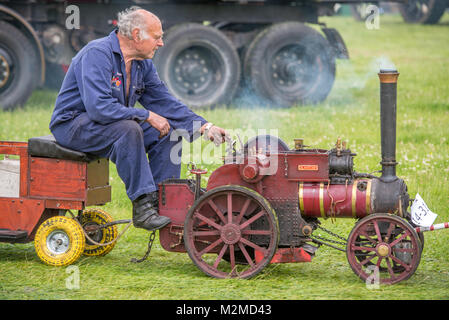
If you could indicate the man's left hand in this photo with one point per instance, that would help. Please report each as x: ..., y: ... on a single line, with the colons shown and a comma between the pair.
x: 216, y: 134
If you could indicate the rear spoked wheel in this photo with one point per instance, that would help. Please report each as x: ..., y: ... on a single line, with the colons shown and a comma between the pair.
x: 383, y: 248
x: 231, y: 232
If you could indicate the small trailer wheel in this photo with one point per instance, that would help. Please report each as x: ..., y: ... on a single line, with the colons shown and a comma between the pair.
x: 93, y: 218
x: 59, y: 241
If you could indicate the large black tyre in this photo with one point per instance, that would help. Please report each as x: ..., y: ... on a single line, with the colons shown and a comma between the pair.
x: 199, y: 65
x: 289, y: 63
x: 423, y: 11
x: 18, y: 67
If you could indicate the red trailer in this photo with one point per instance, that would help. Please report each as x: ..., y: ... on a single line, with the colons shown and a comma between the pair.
x: 41, y: 182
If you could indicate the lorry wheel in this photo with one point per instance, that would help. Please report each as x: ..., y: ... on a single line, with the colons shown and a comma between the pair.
x: 59, y: 241
x: 422, y: 11
x: 93, y: 218
x: 289, y: 63
x: 199, y: 65
x: 18, y: 67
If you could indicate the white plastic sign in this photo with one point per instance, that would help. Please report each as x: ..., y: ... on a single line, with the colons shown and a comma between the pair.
x: 421, y: 214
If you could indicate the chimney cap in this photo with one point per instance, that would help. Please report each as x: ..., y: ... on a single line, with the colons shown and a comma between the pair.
x: 388, y: 76
x: 387, y: 70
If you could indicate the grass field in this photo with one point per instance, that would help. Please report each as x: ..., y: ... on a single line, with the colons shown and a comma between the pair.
x: 421, y: 55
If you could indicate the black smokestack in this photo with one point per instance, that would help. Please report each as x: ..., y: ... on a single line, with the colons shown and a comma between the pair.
x: 388, y: 89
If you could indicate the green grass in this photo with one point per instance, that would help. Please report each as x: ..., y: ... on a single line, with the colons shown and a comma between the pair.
x: 421, y: 55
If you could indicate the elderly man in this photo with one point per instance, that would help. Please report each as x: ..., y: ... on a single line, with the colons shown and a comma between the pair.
x: 94, y: 111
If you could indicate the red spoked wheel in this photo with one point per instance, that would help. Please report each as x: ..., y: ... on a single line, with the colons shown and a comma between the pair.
x: 227, y: 228
x: 383, y: 248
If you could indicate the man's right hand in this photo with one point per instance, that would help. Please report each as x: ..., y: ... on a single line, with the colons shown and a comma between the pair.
x: 159, y: 123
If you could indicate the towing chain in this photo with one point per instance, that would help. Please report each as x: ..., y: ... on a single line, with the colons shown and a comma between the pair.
x: 150, y: 245
x: 321, y: 240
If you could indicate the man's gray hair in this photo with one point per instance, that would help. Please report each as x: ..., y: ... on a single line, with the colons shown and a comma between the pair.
x: 129, y: 19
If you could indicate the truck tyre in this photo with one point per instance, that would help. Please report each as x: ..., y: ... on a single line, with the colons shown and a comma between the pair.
x: 423, y: 11
x: 290, y: 63
x: 18, y: 67
x: 199, y: 65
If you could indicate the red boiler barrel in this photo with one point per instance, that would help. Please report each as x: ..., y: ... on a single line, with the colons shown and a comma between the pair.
x: 335, y: 200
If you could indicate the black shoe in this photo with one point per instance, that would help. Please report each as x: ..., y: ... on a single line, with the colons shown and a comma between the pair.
x: 145, y: 213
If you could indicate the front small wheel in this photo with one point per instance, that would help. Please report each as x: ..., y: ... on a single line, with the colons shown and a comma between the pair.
x: 59, y: 241
x: 386, y: 245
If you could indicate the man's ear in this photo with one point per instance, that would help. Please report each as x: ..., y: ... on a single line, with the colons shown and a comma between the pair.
x: 136, y: 34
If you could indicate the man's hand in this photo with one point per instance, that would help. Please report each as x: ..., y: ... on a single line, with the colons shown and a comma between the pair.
x: 213, y: 133
x: 159, y: 123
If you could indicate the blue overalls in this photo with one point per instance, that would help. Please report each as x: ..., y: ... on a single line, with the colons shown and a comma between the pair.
x: 92, y: 115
